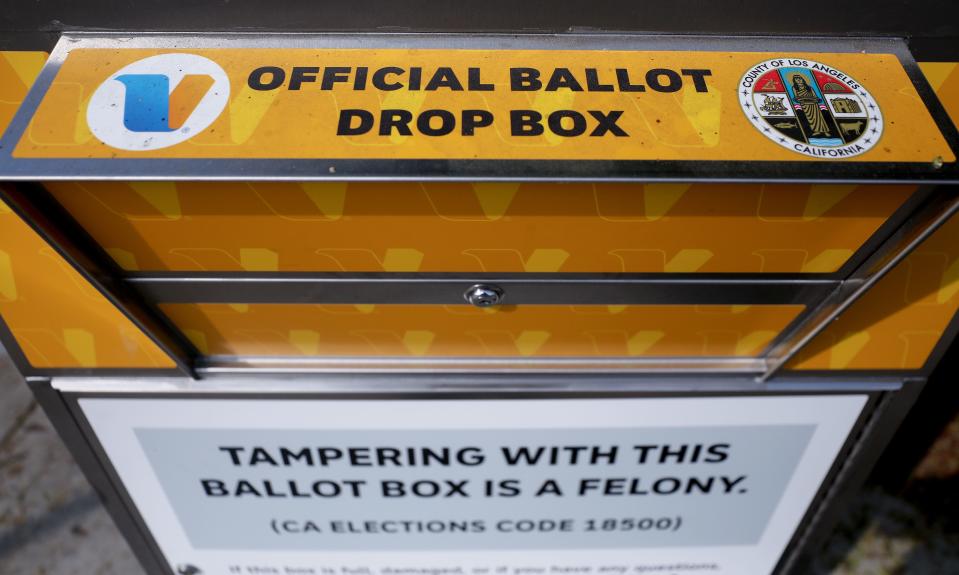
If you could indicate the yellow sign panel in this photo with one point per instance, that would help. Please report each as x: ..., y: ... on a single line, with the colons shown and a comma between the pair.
x: 482, y: 104
x: 479, y: 227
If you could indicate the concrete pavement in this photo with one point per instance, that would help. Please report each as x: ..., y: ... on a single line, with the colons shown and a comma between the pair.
x: 51, y: 522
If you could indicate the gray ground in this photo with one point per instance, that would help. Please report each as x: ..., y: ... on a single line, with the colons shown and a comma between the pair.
x: 51, y: 522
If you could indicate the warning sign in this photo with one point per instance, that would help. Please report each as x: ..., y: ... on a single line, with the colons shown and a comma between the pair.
x: 245, y: 486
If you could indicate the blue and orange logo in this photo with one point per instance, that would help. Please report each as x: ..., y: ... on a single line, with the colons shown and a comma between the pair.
x: 158, y: 102
x: 150, y: 105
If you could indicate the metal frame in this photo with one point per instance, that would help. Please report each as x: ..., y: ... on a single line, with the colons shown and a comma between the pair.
x: 477, y: 170
x: 865, y: 445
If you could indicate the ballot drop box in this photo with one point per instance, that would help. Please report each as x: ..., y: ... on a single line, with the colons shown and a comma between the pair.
x: 476, y: 304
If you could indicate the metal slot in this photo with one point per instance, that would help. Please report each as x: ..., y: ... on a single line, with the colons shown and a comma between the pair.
x: 220, y: 365
x: 448, y: 289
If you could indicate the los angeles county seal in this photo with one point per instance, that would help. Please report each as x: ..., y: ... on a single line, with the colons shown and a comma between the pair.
x: 810, y: 108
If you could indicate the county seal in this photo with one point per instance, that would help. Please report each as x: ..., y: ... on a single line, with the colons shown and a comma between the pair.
x: 810, y: 108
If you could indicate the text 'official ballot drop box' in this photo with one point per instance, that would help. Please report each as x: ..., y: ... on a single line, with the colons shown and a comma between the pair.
x: 469, y: 304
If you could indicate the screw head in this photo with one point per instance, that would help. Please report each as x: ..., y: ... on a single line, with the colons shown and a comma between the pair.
x: 484, y: 295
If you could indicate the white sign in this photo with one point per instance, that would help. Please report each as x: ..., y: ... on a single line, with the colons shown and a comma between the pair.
x: 473, y: 487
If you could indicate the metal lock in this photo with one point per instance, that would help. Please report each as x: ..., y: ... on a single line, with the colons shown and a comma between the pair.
x: 484, y: 295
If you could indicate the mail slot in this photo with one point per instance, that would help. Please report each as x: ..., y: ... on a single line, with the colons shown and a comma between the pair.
x: 502, y: 331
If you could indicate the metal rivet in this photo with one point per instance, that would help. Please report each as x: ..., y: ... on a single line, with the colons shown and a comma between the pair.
x: 484, y: 295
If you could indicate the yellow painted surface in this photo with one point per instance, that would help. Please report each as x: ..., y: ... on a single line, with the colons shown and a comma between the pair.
x: 507, y: 331
x: 18, y: 70
x: 59, y: 319
x: 462, y: 227
x: 944, y: 79
x: 683, y: 125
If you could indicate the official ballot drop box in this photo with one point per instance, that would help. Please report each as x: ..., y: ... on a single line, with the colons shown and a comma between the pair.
x: 468, y: 304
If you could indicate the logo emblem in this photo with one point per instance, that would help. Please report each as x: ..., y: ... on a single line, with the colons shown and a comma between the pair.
x: 158, y: 102
x: 810, y: 108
